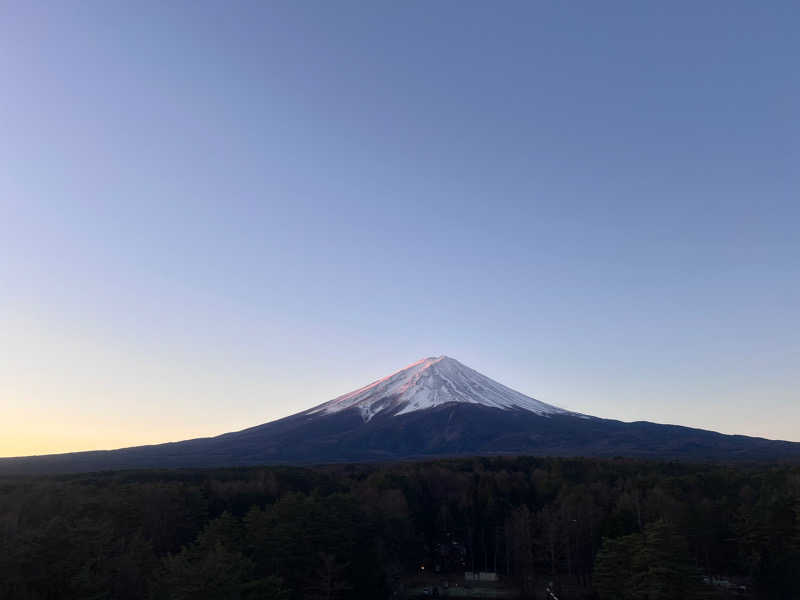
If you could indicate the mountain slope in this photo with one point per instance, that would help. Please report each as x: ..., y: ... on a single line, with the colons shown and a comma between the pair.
x: 428, y: 383
x: 435, y: 407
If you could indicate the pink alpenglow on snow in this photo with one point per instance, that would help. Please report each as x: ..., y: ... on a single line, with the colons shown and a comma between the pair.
x: 431, y: 382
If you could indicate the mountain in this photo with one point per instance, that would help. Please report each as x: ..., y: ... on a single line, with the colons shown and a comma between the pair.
x: 429, y: 383
x: 434, y: 407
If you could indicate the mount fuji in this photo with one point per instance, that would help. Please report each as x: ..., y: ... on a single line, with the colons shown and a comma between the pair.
x: 429, y: 383
x: 433, y: 407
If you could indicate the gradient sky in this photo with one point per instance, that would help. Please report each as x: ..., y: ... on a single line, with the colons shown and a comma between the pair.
x: 216, y: 214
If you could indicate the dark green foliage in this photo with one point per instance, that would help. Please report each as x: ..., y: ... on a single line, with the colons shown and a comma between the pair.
x: 614, y: 529
x: 613, y: 576
x: 214, y: 572
x: 654, y: 565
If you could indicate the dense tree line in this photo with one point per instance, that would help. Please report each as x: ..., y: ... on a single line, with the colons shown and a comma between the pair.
x: 613, y: 529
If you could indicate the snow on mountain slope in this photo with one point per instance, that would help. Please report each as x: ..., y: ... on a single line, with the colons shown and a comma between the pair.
x: 428, y: 383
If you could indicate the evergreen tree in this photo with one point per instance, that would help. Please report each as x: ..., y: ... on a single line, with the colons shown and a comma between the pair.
x: 663, y: 570
x: 655, y: 565
x: 613, y: 573
x: 199, y: 573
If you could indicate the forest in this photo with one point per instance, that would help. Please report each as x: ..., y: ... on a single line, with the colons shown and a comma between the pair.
x: 545, y: 527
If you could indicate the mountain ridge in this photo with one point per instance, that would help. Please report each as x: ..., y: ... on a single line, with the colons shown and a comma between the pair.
x: 433, y: 407
x: 430, y: 382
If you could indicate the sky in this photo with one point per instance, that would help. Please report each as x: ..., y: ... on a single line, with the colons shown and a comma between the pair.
x: 213, y: 215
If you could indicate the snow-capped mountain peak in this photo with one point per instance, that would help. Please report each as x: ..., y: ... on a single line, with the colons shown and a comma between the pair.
x: 428, y: 383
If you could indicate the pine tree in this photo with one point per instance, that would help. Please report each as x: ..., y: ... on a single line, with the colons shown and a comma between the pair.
x: 663, y: 570
x: 613, y: 568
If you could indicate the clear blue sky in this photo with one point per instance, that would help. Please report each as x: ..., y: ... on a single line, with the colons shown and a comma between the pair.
x: 216, y: 214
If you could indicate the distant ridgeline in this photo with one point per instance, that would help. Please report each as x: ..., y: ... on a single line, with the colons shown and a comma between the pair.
x: 435, y: 407
x: 499, y: 527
